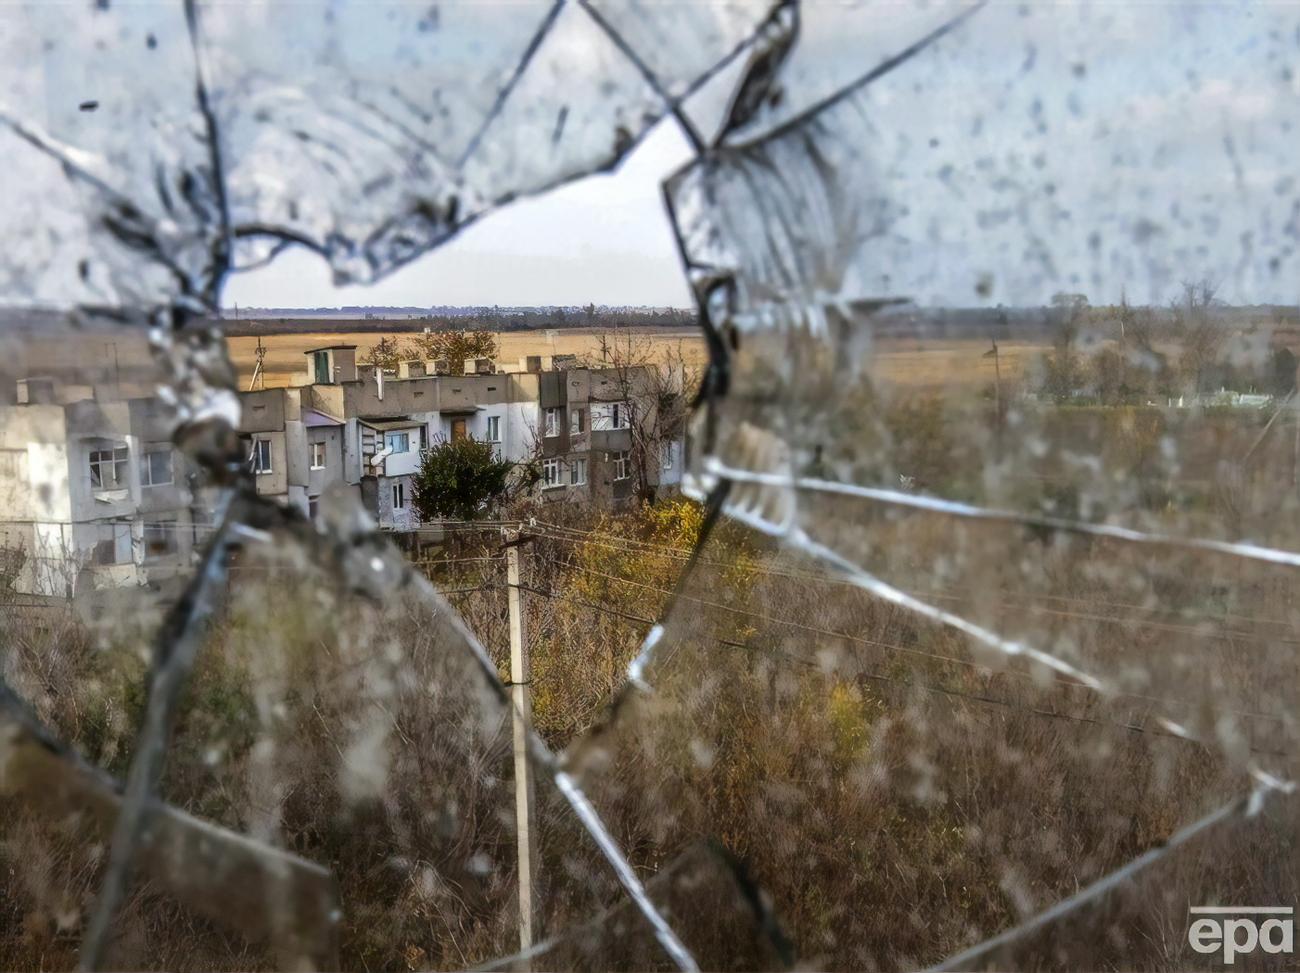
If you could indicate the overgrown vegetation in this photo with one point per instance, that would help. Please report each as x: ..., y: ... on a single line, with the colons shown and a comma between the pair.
x: 843, y: 751
x: 895, y: 791
x: 1123, y: 355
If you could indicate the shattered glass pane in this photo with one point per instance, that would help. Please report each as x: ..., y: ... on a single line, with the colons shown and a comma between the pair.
x: 983, y: 656
x: 837, y: 46
x: 682, y: 43
x: 1045, y: 533
x: 108, y: 196
x: 439, y: 114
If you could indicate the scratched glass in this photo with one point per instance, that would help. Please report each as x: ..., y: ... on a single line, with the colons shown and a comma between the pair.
x: 985, y: 657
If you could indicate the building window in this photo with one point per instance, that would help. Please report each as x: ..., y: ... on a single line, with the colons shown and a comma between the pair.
x: 668, y: 451
x: 114, y: 545
x: 159, y: 539
x: 622, y: 464
x: 318, y: 456
x: 551, y: 473
x: 313, y: 507
x: 156, y: 468
x: 259, y: 461
x: 399, y: 496
x: 611, y: 415
x: 494, y: 429
x: 577, y: 422
x: 321, y: 361
x: 578, y: 472
x: 398, y: 442
x: 108, y: 468
x: 552, y: 425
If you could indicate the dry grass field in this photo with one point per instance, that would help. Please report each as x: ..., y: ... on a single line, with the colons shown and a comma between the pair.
x: 124, y: 356
x: 928, y: 363
x: 285, y: 362
x: 942, y: 363
x: 822, y: 743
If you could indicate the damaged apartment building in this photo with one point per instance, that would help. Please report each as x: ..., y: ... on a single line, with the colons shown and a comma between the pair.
x: 96, y: 496
x: 600, y: 435
x: 93, y: 493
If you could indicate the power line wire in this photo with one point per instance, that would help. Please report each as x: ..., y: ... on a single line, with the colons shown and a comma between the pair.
x: 1185, y: 629
x: 880, y: 677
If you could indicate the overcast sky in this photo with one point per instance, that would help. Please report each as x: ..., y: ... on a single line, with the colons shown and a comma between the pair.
x: 603, y: 239
x: 1115, y: 149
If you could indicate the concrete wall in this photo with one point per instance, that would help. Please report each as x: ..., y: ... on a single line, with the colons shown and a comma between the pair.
x: 263, y: 411
x: 405, y: 397
x: 328, y: 399
x: 523, y: 430
x: 389, y: 517
x: 276, y: 482
x: 318, y: 481
x: 298, y: 472
x: 405, y: 463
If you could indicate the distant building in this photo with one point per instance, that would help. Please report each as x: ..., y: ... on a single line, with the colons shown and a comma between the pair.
x: 575, y: 421
x: 95, y: 495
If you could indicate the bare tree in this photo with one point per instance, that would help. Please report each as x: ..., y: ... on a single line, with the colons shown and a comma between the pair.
x: 454, y: 346
x: 657, y: 385
x: 385, y: 354
x: 1199, y: 330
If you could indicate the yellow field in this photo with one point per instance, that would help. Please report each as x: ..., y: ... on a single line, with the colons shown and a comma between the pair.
x: 949, y: 362
x: 906, y: 362
x: 123, y: 356
x: 285, y: 361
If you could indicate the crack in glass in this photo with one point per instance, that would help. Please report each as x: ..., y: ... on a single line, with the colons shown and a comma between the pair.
x: 923, y: 608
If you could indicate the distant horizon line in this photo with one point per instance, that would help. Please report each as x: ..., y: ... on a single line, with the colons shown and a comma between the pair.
x: 435, y: 308
x: 411, y: 308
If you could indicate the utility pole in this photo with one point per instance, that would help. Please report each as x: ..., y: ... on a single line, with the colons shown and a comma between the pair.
x: 257, y: 371
x: 521, y: 674
x: 1295, y: 455
x: 997, y: 378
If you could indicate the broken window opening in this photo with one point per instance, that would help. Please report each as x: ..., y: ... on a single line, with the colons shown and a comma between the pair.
x: 108, y: 468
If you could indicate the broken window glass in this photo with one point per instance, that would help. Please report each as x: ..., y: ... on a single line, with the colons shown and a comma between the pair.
x: 108, y: 468
x: 979, y: 652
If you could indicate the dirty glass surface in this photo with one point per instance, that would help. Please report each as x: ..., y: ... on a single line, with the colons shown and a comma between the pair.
x: 986, y: 655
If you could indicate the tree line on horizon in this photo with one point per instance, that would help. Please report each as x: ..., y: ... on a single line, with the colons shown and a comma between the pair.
x: 497, y: 318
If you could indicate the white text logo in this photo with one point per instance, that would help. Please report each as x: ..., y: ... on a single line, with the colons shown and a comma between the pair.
x: 1239, y: 929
